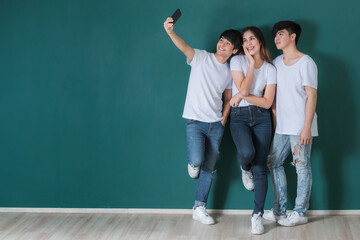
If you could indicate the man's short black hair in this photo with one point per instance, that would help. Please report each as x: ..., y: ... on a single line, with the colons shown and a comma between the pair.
x: 235, y: 37
x: 290, y: 26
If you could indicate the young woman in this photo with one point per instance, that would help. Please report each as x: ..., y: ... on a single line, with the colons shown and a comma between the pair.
x: 253, y: 92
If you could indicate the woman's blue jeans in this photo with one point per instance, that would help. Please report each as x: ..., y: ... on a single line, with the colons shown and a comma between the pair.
x: 251, y: 130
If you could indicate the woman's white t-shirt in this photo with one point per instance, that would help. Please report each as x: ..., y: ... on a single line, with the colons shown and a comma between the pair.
x: 263, y: 76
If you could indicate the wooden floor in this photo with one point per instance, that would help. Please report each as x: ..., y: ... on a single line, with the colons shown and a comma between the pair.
x: 31, y: 226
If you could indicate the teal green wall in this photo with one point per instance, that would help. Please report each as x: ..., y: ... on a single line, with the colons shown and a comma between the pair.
x: 92, y: 93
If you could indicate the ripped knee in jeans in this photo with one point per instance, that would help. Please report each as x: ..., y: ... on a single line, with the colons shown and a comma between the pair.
x: 296, y: 155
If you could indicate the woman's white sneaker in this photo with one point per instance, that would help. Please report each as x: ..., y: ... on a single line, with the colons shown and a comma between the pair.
x: 200, y: 214
x: 256, y: 224
x: 247, y: 179
x: 293, y: 219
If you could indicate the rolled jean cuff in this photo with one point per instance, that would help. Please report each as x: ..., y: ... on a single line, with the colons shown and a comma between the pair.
x: 302, y: 214
x: 198, y: 204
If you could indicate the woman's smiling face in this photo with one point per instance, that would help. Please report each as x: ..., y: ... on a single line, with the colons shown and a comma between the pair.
x: 251, y: 43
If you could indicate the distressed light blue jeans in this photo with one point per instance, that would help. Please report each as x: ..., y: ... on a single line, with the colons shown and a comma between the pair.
x: 203, y: 141
x: 280, y: 149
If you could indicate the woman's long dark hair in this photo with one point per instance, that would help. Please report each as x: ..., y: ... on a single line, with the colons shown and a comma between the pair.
x: 264, y: 51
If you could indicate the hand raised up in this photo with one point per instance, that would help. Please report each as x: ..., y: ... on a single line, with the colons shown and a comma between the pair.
x: 169, y: 25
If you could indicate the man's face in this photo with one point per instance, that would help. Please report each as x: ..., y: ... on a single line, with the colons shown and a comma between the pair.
x: 225, y: 48
x: 284, y: 39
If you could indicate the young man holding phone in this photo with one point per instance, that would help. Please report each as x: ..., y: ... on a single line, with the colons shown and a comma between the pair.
x: 296, y: 123
x: 204, y: 110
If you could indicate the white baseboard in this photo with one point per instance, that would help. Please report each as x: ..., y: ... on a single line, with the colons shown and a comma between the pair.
x: 159, y: 211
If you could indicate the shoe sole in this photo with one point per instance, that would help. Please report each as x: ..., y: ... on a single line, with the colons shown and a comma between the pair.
x: 257, y: 233
x: 194, y: 177
x: 301, y: 223
x: 206, y: 223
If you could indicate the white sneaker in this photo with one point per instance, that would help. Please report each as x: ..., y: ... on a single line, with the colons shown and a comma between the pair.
x: 293, y: 219
x: 248, y: 179
x: 269, y: 215
x: 200, y: 214
x: 256, y: 224
x: 193, y: 171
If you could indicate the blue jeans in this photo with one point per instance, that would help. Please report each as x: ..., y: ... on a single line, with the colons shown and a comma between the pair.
x: 280, y: 149
x: 251, y: 130
x: 203, y: 141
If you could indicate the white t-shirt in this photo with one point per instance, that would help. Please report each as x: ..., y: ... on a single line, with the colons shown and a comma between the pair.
x: 291, y: 95
x: 263, y: 76
x: 208, y: 80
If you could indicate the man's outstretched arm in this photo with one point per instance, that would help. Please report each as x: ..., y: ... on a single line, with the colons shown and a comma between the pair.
x: 178, y: 41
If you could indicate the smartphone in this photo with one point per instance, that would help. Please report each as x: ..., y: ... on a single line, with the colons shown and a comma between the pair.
x: 176, y: 15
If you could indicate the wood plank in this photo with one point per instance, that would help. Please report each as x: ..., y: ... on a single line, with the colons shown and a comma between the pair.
x: 106, y: 226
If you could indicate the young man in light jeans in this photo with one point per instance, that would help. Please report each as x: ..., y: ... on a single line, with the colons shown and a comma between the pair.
x: 296, y: 123
x: 205, y: 115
